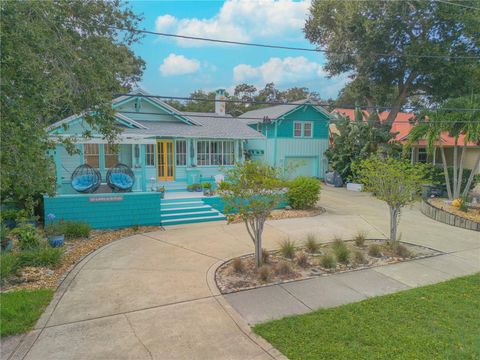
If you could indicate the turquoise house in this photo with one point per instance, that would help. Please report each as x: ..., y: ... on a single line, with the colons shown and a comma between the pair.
x: 168, y: 148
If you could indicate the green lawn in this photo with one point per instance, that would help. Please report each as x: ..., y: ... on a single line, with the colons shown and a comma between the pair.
x: 21, y: 309
x: 440, y: 321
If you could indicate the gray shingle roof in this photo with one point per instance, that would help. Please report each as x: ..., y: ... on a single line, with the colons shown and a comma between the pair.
x: 208, y: 127
x: 274, y: 112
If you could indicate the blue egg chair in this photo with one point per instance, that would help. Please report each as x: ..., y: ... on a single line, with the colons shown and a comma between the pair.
x: 120, y: 178
x: 86, y: 179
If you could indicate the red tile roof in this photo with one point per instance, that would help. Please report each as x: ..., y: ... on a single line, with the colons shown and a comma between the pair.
x: 401, y: 126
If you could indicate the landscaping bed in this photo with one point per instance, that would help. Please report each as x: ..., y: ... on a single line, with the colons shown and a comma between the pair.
x: 293, y: 262
x: 279, y: 214
x: 473, y: 212
x: 439, y: 321
x: 74, y: 250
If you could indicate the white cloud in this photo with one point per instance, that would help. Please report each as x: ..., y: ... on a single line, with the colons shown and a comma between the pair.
x: 280, y: 71
x: 241, y: 20
x: 178, y: 65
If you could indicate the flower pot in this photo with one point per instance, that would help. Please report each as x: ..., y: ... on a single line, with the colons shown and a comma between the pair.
x: 198, y: 189
x: 56, y: 240
x: 10, y: 223
x: 162, y: 194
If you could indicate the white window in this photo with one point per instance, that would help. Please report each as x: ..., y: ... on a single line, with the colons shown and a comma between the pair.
x: 150, y: 155
x: 215, y: 153
x: 181, y: 152
x: 422, y: 155
x: 297, y: 129
x: 307, y: 129
x: 91, y: 155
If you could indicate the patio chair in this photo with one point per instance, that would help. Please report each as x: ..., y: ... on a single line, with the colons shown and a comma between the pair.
x: 85, y: 179
x: 120, y: 178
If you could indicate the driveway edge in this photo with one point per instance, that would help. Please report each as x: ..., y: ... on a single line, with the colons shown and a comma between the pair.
x: 236, y: 317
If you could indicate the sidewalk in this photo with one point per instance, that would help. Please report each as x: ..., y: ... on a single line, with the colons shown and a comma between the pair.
x: 297, y: 297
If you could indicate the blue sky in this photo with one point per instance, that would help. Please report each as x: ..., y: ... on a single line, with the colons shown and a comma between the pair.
x: 177, y: 67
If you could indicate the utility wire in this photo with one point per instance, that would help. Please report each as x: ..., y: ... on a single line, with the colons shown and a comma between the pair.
x: 275, y: 103
x: 457, y: 4
x: 271, y: 46
x: 261, y: 119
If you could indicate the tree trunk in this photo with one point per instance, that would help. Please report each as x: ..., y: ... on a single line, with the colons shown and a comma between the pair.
x: 472, y: 175
x: 397, y: 105
x: 394, y: 212
x: 458, y: 189
x: 455, y: 169
x: 445, y: 172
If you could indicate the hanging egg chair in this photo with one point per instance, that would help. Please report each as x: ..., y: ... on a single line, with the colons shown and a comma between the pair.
x: 86, y: 179
x: 120, y: 178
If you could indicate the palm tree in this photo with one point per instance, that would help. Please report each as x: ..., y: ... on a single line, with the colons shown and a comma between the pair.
x: 455, y: 123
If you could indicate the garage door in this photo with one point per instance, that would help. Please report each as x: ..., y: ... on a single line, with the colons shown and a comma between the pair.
x: 300, y: 166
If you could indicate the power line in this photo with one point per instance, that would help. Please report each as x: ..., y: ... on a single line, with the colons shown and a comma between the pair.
x: 259, y: 119
x: 271, y: 46
x: 457, y: 4
x: 275, y: 103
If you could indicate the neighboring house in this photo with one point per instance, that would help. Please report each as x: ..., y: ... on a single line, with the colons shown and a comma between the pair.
x: 403, y: 124
x: 295, y: 137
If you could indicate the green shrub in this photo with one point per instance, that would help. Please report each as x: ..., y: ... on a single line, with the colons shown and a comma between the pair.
x: 328, y: 261
x: 374, y: 250
x: 463, y: 204
x: 46, y: 257
x: 287, y: 248
x: 359, y: 257
x: 302, y: 259
x: 283, y: 268
x: 303, y: 192
x: 8, y: 265
x: 338, y: 243
x: 360, y: 238
x: 343, y: 254
x: 75, y: 229
x: 238, y: 265
x: 311, y: 244
x: 28, y: 238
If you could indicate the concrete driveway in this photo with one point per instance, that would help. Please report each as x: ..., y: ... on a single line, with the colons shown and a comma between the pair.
x: 150, y: 296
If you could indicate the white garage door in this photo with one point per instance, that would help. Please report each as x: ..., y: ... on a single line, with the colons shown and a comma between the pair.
x: 300, y: 166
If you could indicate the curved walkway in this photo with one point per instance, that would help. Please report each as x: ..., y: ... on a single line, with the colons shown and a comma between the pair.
x: 150, y: 296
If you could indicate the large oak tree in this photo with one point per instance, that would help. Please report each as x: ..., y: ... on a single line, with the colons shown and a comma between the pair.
x: 380, y: 44
x: 58, y: 58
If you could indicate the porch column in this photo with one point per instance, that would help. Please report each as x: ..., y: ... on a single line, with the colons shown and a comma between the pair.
x: 412, y: 157
x: 143, y: 160
x: 191, y: 152
x: 434, y: 154
x: 58, y: 164
x: 101, y: 158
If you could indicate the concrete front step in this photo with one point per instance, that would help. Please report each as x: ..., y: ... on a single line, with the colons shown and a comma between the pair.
x: 193, y: 220
x: 186, y: 211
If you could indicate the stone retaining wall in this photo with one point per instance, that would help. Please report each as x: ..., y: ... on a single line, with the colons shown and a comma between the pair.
x: 448, y: 218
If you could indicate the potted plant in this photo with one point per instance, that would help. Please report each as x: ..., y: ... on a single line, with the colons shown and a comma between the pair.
x: 190, y: 188
x: 206, y: 188
x: 26, y: 217
x: 197, y: 187
x: 54, y: 232
x: 6, y: 242
x: 161, y: 190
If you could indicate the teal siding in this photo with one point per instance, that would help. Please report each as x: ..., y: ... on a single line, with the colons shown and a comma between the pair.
x: 133, y: 209
x: 145, y: 106
x: 308, y: 113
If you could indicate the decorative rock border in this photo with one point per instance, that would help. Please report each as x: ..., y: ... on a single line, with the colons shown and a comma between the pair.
x: 448, y: 218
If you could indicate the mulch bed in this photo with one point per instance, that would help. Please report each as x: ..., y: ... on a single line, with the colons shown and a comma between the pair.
x: 228, y: 280
x: 74, y: 252
x: 473, y: 212
x: 287, y: 214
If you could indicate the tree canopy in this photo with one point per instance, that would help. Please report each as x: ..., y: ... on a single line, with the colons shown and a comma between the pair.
x: 58, y: 59
x: 378, y: 44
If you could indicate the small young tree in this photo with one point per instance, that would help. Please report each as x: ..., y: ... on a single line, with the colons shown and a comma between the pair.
x: 395, y: 181
x: 252, y: 190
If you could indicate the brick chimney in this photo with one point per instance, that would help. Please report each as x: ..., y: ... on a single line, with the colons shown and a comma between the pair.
x: 220, y: 105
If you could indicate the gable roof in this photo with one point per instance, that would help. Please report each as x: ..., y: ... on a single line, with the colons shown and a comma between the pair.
x: 277, y: 111
x: 401, y: 126
x: 122, y: 119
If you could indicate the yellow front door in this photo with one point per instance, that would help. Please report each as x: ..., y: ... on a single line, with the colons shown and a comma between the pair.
x: 165, y: 160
